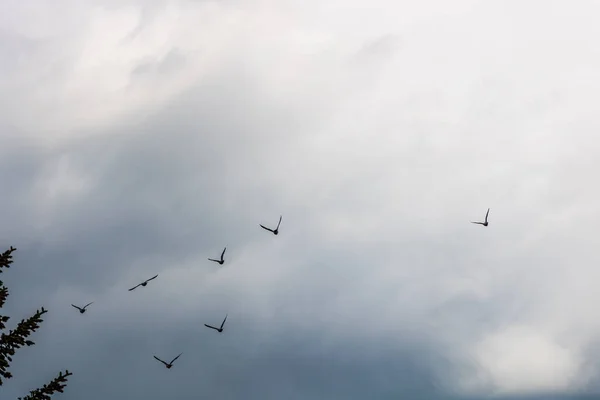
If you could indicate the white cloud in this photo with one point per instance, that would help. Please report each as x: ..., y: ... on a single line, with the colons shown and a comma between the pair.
x: 522, y: 359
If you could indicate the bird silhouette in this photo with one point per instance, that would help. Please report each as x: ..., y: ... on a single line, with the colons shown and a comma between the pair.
x: 276, y: 231
x: 143, y: 283
x: 220, y: 329
x: 82, y: 309
x: 485, y: 223
x: 169, y: 364
x: 221, y: 261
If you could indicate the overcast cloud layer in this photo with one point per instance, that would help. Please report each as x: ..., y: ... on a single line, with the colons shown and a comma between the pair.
x: 141, y: 137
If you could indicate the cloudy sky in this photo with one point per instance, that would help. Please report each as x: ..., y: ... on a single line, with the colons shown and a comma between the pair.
x: 141, y: 137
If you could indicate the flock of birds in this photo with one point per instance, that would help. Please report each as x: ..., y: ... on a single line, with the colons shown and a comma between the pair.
x: 221, y: 261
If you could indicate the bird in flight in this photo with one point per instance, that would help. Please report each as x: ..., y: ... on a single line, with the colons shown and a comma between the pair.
x: 218, y: 329
x: 81, y: 309
x: 276, y: 231
x: 485, y: 223
x: 170, y: 364
x: 222, y: 260
x: 144, y: 283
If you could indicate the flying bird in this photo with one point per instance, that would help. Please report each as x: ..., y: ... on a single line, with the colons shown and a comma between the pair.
x: 81, y: 309
x: 485, y: 223
x: 222, y: 260
x: 170, y: 364
x: 144, y: 283
x: 220, y: 329
x: 276, y: 231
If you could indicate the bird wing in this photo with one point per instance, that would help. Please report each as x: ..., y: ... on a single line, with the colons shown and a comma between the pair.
x: 134, y: 287
x: 160, y: 360
x: 88, y: 304
x: 279, y: 223
x: 223, y: 253
x: 480, y: 223
x: 154, y: 277
x: 264, y: 227
x: 223, y: 323
x: 76, y: 307
x: 486, y: 214
x: 212, y: 327
x: 173, y: 360
x: 212, y: 259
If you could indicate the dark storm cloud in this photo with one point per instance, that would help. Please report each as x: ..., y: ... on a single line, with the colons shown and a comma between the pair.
x: 166, y: 191
x: 157, y: 194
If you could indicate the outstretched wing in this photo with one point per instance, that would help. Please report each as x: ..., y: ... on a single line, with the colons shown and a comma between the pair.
x: 212, y: 259
x: 211, y: 327
x: 154, y: 277
x: 279, y: 223
x: 264, y: 227
x: 223, y: 323
x: 223, y: 253
x: 76, y: 307
x: 173, y: 360
x: 480, y: 223
x: 134, y: 287
x: 486, y: 214
x: 87, y: 304
x: 160, y: 360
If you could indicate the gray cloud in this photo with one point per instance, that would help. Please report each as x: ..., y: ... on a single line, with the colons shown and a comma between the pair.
x: 128, y: 154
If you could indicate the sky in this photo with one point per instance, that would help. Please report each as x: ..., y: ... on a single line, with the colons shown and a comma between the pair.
x: 142, y: 137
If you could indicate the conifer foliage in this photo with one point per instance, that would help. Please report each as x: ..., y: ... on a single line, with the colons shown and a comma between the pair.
x: 17, y: 338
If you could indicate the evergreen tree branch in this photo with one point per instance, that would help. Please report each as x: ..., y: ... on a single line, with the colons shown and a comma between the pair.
x: 6, y: 258
x: 17, y: 338
x: 56, y: 385
x: 5, y: 261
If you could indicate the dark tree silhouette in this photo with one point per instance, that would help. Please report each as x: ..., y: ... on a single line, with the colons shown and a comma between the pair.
x: 17, y: 338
